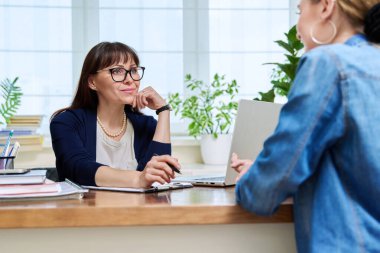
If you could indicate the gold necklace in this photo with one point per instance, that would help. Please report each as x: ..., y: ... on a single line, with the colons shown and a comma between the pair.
x: 112, y: 135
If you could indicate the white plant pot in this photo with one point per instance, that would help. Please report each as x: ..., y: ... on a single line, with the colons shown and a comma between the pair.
x: 215, y: 151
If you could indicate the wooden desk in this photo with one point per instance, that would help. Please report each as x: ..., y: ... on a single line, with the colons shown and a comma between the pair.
x: 114, y: 222
x: 199, y: 205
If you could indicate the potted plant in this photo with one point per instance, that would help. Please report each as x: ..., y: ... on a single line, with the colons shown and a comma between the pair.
x: 11, y: 99
x: 284, y: 73
x: 211, y: 110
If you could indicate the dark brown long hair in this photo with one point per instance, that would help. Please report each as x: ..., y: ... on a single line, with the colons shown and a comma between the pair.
x: 102, y: 55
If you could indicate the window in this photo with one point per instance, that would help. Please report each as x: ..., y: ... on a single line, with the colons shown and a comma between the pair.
x: 44, y: 43
x: 154, y: 30
x: 241, y: 37
x: 36, y: 45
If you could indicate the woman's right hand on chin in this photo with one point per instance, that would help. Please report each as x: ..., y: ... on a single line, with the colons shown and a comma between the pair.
x: 148, y: 97
x: 158, y: 170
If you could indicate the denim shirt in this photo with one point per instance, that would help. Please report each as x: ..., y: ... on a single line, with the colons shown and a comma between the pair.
x: 325, y: 152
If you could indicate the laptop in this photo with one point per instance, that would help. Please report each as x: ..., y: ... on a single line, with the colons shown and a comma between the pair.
x: 255, y: 122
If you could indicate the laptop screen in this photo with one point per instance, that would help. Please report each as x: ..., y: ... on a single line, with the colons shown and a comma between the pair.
x: 255, y: 122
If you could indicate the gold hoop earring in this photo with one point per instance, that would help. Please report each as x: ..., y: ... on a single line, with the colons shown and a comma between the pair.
x: 321, y: 42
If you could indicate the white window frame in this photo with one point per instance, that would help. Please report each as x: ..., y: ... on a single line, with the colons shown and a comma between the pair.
x: 196, y: 53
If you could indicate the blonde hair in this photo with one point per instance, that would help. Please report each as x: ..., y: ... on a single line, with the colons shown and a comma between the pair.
x: 363, y: 15
x: 356, y: 10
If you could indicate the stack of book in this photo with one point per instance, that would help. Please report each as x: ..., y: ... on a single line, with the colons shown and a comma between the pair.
x: 33, y: 185
x: 22, y: 176
x: 24, y: 131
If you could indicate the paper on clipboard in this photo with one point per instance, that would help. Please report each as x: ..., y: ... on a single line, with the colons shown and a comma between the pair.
x: 156, y: 187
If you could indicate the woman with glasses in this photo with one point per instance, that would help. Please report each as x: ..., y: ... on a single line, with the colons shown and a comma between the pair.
x: 325, y: 151
x: 102, y: 139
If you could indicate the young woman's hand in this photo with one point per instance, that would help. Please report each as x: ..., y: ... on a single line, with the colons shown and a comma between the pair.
x: 240, y: 165
x: 148, y: 97
x: 158, y: 170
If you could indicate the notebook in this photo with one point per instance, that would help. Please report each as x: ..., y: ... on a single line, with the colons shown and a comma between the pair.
x: 17, y: 189
x: 156, y: 187
x: 30, y: 177
x: 255, y: 122
x: 47, y: 191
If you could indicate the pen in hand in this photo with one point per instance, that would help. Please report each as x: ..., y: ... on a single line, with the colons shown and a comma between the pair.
x: 171, y: 166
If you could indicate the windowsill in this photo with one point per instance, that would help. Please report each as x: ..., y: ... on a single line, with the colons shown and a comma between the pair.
x: 177, y: 141
x: 187, y: 141
x: 184, y: 148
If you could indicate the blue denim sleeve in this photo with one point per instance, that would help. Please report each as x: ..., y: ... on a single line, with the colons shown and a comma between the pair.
x: 309, y: 123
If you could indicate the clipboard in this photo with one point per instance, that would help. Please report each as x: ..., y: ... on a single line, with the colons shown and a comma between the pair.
x: 154, y: 188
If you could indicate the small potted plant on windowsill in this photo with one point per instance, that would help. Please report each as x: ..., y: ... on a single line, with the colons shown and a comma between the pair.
x: 211, y: 110
x: 11, y: 99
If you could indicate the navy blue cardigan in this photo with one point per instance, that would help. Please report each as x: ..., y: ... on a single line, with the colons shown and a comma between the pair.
x: 73, y: 134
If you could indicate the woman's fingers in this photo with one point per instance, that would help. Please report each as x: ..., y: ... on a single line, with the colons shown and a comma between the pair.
x: 159, y: 173
x: 141, y: 100
x: 148, y: 97
x: 239, y: 164
x: 164, y: 166
x: 150, y: 175
x: 234, y: 157
x: 140, y: 105
x: 235, y: 161
x: 137, y: 102
x: 241, y: 173
x: 172, y: 162
x: 144, y: 100
x: 160, y: 168
x: 152, y: 99
x: 153, y: 178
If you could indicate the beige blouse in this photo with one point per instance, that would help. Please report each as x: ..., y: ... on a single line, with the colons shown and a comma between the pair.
x: 116, y: 154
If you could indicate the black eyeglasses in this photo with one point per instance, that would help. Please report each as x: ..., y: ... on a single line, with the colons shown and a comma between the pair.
x: 119, y: 74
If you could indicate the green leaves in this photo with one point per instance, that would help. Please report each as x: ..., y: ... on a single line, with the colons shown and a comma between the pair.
x: 11, y: 99
x: 267, y: 96
x: 211, y: 109
x: 284, y: 73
